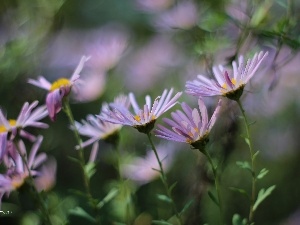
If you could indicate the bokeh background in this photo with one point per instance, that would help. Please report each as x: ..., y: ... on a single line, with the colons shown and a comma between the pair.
x: 144, y: 47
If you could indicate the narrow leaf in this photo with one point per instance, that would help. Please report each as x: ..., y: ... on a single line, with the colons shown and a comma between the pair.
x: 262, y: 173
x: 89, y: 169
x: 164, y: 198
x: 241, y: 191
x: 111, y: 194
x: 255, y: 155
x: 74, y: 159
x: 78, y: 211
x: 161, y: 222
x: 186, y: 206
x: 247, y: 141
x: 172, y: 186
x: 213, y: 198
x: 262, y: 194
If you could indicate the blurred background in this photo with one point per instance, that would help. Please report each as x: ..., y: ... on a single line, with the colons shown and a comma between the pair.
x: 144, y: 47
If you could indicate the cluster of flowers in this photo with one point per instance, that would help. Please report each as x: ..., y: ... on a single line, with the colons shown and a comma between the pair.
x: 190, y: 126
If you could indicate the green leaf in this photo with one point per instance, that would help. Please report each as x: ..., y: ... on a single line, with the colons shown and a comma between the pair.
x: 262, y: 194
x: 111, y: 194
x: 161, y: 222
x: 244, y: 165
x: 247, y: 141
x: 74, y: 159
x: 255, y: 155
x: 237, y: 220
x: 164, y: 198
x: 213, y: 198
x: 262, y: 173
x: 78, y: 211
x: 186, y: 206
x: 172, y: 186
x: 89, y: 169
x: 241, y: 191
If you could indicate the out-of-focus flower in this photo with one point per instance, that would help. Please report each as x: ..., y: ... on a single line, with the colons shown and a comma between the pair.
x: 188, y: 126
x: 17, y: 170
x: 144, y: 118
x: 228, y: 84
x: 92, y: 86
x: 29, y: 116
x: 142, y: 73
x: 47, y: 176
x: 182, y: 16
x: 59, y: 89
x: 154, y: 5
x: 106, y: 46
x: 143, y: 170
x: 97, y: 129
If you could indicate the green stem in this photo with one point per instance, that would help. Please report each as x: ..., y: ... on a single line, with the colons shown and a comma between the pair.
x: 68, y: 111
x: 43, y: 207
x: 217, y: 183
x: 164, y: 180
x: 253, y: 192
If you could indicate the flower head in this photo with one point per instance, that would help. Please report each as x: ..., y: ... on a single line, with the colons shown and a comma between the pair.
x: 58, y: 89
x: 17, y: 170
x: 228, y: 84
x: 29, y: 116
x: 188, y: 126
x: 144, y: 118
x: 97, y: 129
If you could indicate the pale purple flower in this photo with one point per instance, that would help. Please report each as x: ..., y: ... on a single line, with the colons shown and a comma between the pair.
x: 183, y: 15
x: 29, y: 116
x: 228, y: 83
x: 97, y: 129
x: 17, y: 171
x: 142, y: 119
x: 154, y: 5
x: 189, y: 126
x: 59, y: 89
x: 143, y: 170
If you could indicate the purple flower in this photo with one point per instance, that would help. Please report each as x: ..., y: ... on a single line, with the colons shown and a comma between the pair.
x: 188, y: 126
x: 228, y: 84
x: 144, y: 118
x: 97, y: 129
x: 29, y: 116
x: 16, y: 169
x: 58, y: 89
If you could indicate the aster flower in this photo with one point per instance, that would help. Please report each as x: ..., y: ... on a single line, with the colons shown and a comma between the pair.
x: 59, y: 89
x: 29, y: 116
x: 144, y: 118
x: 97, y: 129
x: 227, y: 83
x: 188, y: 126
x: 17, y: 171
x: 143, y: 170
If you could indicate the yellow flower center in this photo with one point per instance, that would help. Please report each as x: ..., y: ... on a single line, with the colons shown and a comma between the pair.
x: 233, y: 81
x: 12, y: 123
x: 17, y: 181
x: 62, y: 82
x: 137, y: 118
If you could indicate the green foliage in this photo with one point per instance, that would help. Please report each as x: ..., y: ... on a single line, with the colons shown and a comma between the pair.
x: 213, y: 198
x: 78, y: 211
x: 237, y: 220
x: 111, y: 194
x: 90, y: 169
x: 244, y: 165
x: 161, y: 222
x: 164, y: 198
x: 262, y: 173
x: 262, y: 195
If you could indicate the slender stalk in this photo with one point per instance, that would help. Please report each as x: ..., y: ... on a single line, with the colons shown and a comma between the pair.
x: 43, y: 207
x: 68, y: 111
x: 253, y: 191
x: 164, y: 180
x: 217, y: 183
